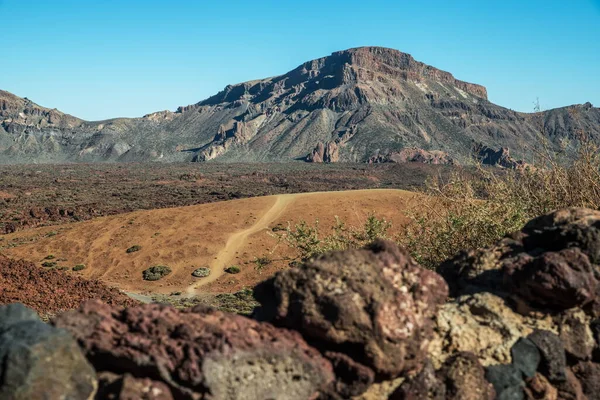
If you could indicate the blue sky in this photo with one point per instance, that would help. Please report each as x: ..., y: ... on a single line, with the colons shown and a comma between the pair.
x: 97, y: 59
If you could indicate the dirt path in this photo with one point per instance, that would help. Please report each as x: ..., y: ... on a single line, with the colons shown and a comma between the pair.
x: 237, y: 240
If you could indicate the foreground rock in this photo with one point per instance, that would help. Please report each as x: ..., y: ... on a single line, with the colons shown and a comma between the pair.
x: 552, y: 264
x: 190, y: 353
x: 38, y: 361
x: 376, y: 305
x: 527, y: 307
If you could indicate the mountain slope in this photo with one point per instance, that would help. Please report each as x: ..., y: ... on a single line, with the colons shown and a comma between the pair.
x: 350, y: 106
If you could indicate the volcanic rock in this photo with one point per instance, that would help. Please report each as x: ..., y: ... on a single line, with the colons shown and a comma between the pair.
x: 38, y: 361
x: 375, y: 305
x: 461, y: 377
x: 414, y: 155
x: 347, y: 106
x: 49, y: 291
x: 550, y: 264
x: 197, y: 351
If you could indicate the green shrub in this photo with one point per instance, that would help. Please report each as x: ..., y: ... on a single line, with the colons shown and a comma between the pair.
x: 234, y: 269
x: 49, y: 257
x: 79, y: 267
x: 133, y: 249
x: 49, y: 264
x: 156, y: 272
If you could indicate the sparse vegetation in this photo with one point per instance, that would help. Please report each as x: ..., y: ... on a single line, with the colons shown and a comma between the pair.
x: 156, y: 272
x: 49, y: 257
x: 133, y: 249
x: 309, y: 241
x: 241, y: 302
x: 79, y: 267
x: 234, y: 269
x: 49, y: 264
x: 261, y: 262
x: 474, y: 210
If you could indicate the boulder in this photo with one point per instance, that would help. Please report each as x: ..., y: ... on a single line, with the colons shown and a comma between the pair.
x: 482, y: 324
x: 38, y: 361
x: 551, y: 264
x: 461, y: 377
x: 554, y: 361
x: 197, y: 351
x: 375, y: 305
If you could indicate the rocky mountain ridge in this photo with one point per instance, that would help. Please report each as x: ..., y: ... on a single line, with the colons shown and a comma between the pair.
x: 350, y: 106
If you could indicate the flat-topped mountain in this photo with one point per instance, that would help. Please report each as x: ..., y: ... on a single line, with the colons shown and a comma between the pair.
x: 354, y: 105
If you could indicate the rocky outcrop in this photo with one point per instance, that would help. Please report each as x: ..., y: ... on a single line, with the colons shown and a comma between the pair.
x: 414, y: 155
x: 324, y: 153
x: 191, y: 353
x: 38, y: 361
x: 526, y: 307
x: 375, y: 305
x: 498, y: 158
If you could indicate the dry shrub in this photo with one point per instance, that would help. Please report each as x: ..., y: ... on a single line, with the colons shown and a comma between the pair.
x: 309, y: 241
x: 471, y: 210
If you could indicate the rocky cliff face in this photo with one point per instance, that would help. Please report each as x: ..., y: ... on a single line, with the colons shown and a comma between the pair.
x: 349, y: 106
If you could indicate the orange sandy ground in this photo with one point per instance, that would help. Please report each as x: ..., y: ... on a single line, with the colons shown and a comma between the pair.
x: 216, y: 235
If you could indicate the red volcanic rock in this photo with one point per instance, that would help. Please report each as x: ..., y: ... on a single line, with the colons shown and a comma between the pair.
x: 375, y: 305
x: 415, y: 155
x: 198, y: 351
x: 551, y: 263
x: 324, y: 153
x: 49, y: 291
x: 558, y: 280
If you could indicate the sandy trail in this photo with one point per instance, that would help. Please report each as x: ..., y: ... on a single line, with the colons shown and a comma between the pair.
x: 238, y: 239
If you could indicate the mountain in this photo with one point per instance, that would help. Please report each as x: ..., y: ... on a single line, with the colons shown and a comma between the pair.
x: 354, y: 105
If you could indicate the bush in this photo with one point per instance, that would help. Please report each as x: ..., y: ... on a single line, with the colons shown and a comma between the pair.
x: 79, y: 267
x: 156, y: 272
x: 475, y: 210
x: 202, y: 272
x: 133, y: 249
x: 49, y: 257
x: 49, y: 264
x: 308, y: 241
x: 234, y: 269
x: 262, y: 262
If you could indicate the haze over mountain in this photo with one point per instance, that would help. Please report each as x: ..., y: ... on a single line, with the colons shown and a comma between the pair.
x: 353, y: 105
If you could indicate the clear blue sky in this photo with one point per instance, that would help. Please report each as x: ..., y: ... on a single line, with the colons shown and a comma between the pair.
x: 106, y: 58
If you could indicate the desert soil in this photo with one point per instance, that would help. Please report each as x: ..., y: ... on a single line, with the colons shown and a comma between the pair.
x: 215, y: 235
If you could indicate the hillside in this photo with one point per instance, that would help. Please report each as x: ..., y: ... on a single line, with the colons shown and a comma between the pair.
x: 215, y: 235
x: 353, y: 105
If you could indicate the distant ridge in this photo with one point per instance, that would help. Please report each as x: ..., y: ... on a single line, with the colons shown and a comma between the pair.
x: 354, y: 105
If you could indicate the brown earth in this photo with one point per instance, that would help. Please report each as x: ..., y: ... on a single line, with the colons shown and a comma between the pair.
x: 216, y: 235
